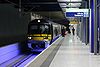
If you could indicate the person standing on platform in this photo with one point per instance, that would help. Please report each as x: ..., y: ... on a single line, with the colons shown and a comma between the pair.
x: 63, y: 32
x: 73, y: 31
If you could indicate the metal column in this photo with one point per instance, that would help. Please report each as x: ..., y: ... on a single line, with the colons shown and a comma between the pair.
x: 86, y: 31
x: 95, y: 27
x: 98, y: 21
x: 86, y: 27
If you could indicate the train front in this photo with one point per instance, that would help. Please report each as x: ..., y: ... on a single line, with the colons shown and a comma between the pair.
x: 39, y: 35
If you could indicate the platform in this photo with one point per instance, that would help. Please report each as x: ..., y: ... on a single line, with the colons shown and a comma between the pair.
x: 72, y: 53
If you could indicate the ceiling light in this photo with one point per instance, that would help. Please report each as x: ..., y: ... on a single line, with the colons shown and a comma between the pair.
x: 62, y: 4
x: 74, y: 4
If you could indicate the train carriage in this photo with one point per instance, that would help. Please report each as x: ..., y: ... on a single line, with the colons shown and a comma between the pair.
x: 41, y: 33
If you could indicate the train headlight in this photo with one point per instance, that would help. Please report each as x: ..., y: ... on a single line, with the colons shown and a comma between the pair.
x: 29, y: 37
x: 45, y: 40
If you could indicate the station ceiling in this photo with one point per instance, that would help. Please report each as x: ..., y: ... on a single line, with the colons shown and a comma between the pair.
x: 53, y: 9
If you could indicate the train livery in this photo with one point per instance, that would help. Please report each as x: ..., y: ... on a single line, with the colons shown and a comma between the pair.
x: 42, y: 33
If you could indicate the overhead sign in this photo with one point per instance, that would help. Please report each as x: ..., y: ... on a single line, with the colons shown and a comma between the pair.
x: 77, y: 13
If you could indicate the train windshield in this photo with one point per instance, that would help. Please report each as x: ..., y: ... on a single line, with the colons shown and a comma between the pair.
x: 39, y: 29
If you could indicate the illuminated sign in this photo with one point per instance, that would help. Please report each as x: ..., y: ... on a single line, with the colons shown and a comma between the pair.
x: 77, y: 13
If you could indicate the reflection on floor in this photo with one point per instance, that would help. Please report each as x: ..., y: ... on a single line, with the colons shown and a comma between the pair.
x: 72, y: 53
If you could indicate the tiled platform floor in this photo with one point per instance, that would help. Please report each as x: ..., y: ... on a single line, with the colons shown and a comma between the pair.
x: 72, y: 53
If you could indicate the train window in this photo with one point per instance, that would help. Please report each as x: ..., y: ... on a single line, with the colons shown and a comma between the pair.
x: 56, y: 31
x: 45, y: 29
x: 34, y: 27
x: 42, y: 28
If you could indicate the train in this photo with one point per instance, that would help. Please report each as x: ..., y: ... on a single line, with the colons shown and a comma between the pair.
x: 42, y: 33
